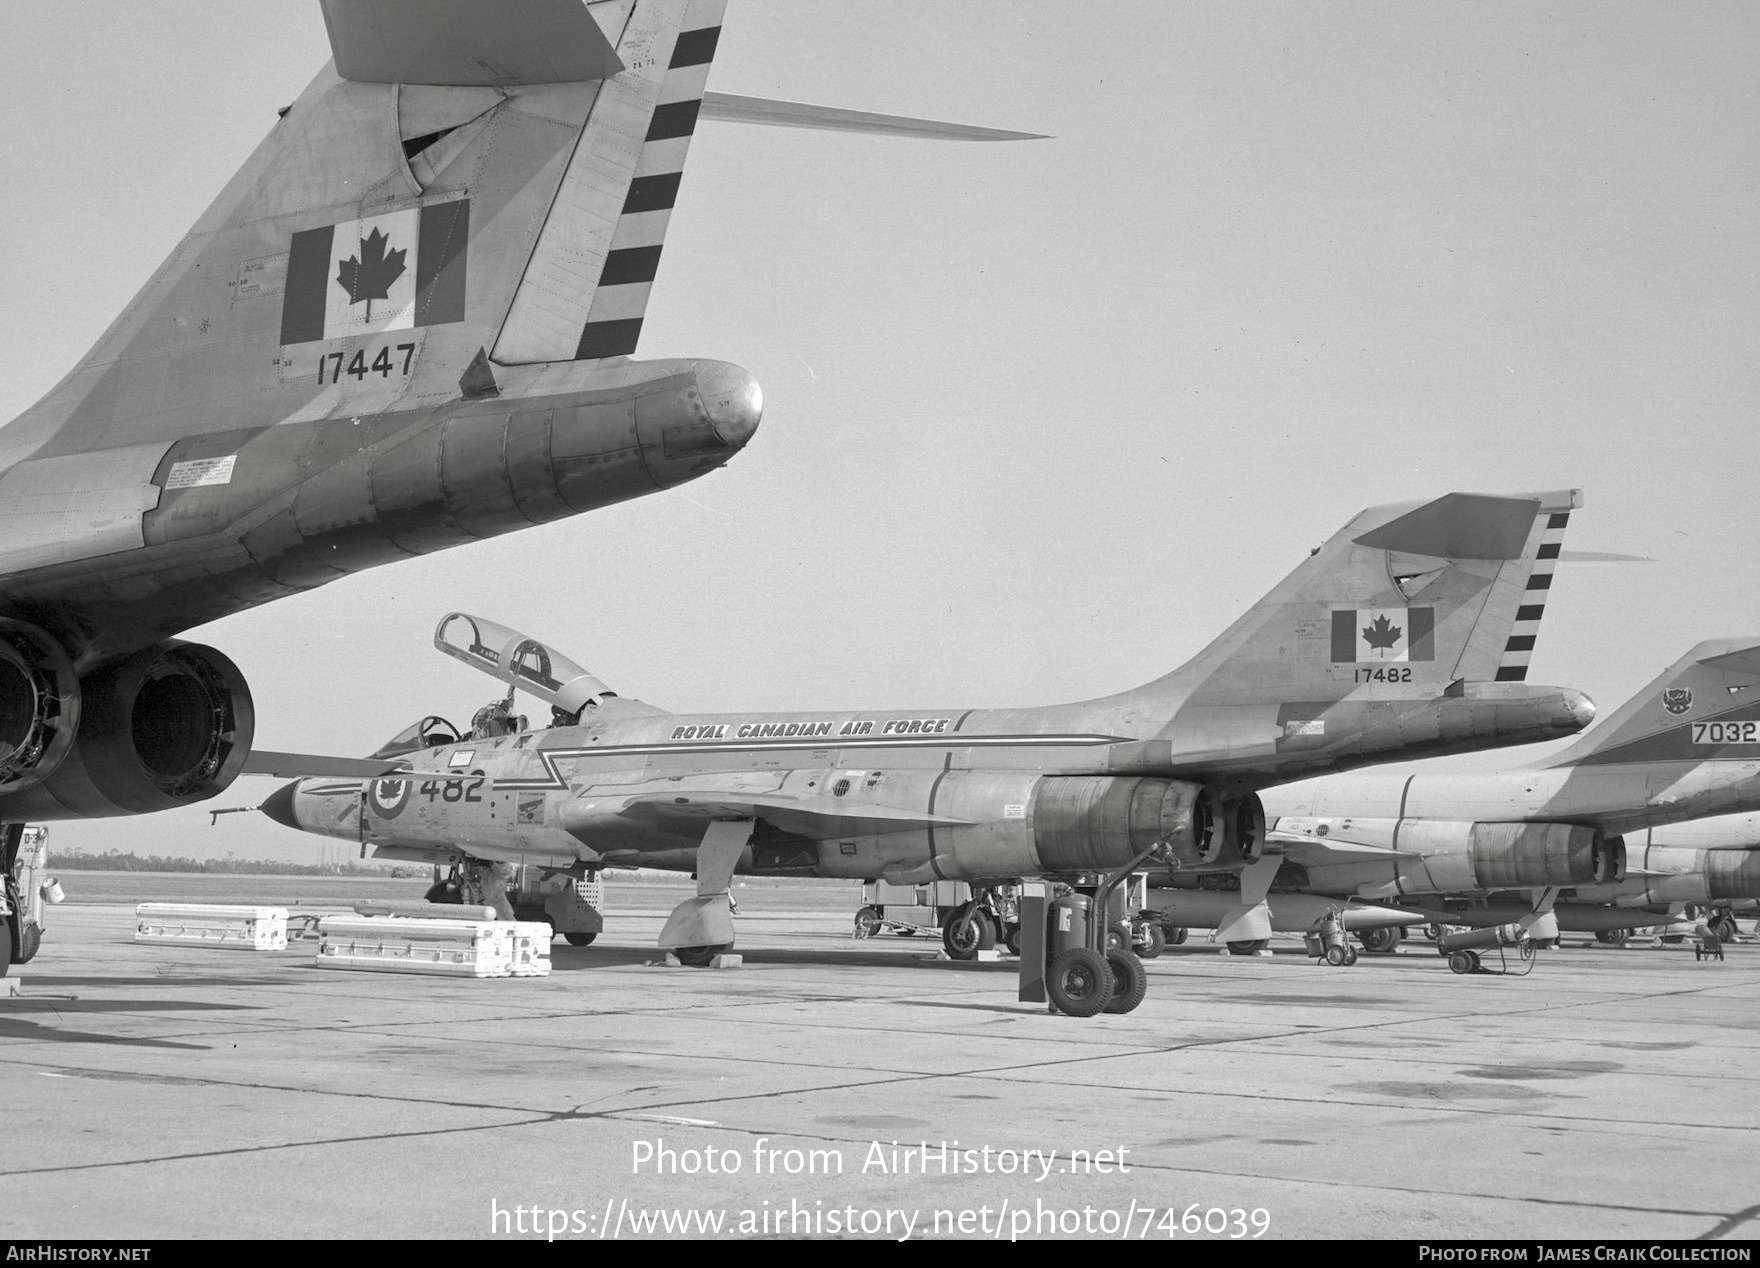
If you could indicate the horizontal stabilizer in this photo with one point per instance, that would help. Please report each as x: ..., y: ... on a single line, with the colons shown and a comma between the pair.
x: 467, y: 42
x: 732, y: 108
x: 1601, y: 557
x: 312, y: 765
x: 1467, y: 526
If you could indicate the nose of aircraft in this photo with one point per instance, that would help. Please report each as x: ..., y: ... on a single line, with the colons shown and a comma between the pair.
x: 732, y: 400
x: 278, y: 805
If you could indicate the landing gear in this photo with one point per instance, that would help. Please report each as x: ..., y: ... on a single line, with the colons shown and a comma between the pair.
x: 1080, y: 982
x: 1252, y: 947
x: 699, y: 957
x: 1612, y: 937
x: 967, y: 932
x: 1011, y: 937
x: 1381, y: 941
x: 867, y: 922
x: 1176, y: 934
x: 29, y: 941
x: 1130, y: 981
x: 5, y: 945
x: 1723, y: 924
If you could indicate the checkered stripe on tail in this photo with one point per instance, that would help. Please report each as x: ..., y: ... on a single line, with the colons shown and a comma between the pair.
x: 614, y: 322
x: 1520, y: 648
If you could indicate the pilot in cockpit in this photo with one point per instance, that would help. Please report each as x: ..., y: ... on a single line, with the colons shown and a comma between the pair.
x: 496, y: 718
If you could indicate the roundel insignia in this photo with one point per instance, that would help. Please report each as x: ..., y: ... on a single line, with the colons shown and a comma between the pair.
x: 388, y: 797
x: 1677, y: 699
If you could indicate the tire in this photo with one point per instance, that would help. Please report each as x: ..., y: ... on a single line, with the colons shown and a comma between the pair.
x: 1011, y: 938
x: 1080, y: 982
x: 1350, y: 956
x: 1433, y: 932
x: 697, y: 957
x: 1176, y: 934
x: 1118, y: 936
x: 580, y: 939
x: 29, y: 939
x: 1130, y: 981
x: 1612, y: 937
x: 967, y: 932
x: 5, y: 945
x: 441, y: 892
x: 867, y: 922
x: 1335, y: 956
x: 1461, y: 961
x: 1381, y: 941
x: 1154, y: 943
x: 1724, y: 926
x: 1252, y: 947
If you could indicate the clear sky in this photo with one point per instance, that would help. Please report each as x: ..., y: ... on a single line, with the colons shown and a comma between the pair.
x: 1041, y: 418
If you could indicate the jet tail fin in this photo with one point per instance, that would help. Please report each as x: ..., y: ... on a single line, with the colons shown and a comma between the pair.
x: 1704, y: 706
x: 1442, y: 592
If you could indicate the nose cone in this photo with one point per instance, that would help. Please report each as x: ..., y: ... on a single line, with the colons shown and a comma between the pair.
x: 732, y: 400
x: 278, y: 805
x: 1579, y: 708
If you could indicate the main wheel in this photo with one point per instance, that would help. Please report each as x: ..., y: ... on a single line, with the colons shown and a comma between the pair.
x: 1080, y: 982
x: 1381, y: 941
x: 1251, y: 947
x: 1612, y: 937
x: 1130, y: 981
x: 697, y: 957
x: 1461, y: 961
x: 1153, y: 944
x: 5, y: 945
x: 1433, y: 932
x: 1724, y: 926
x: 867, y: 922
x: 968, y: 931
x: 30, y: 938
x: 580, y: 939
x: 1176, y: 934
x: 1011, y: 937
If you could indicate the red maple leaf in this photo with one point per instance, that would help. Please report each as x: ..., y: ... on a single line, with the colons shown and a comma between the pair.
x: 370, y: 276
x: 1381, y: 632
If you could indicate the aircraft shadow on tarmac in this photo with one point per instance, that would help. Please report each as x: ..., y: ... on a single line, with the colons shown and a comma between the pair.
x: 40, y: 980
x: 31, y: 1031
x: 566, y: 959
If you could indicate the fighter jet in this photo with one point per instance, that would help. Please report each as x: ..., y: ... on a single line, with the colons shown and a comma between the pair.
x: 1407, y: 633
x: 1580, y: 842
x: 405, y: 324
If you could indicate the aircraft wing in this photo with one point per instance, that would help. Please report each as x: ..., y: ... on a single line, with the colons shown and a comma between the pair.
x: 818, y: 818
x: 311, y: 765
x: 1310, y: 851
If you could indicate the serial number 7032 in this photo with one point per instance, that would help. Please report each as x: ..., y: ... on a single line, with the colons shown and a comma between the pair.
x: 384, y: 365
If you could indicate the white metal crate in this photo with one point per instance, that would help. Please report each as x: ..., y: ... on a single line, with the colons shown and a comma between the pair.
x: 390, y: 944
x: 204, y: 925
x: 530, y: 947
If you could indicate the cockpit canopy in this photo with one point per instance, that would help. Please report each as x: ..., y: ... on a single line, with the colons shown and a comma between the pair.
x: 430, y: 732
x: 510, y: 657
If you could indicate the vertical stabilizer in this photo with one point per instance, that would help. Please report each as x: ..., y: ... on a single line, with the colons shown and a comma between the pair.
x: 1704, y: 707
x: 585, y: 290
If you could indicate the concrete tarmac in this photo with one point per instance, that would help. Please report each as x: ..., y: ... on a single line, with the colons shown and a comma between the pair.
x: 156, y: 1092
